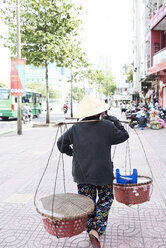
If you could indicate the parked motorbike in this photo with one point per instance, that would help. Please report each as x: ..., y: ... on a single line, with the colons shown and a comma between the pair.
x: 133, y: 121
x: 162, y: 114
x: 131, y: 111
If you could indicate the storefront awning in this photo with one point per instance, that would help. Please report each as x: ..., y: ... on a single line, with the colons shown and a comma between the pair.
x: 122, y: 98
x: 149, y: 78
x: 157, y: 68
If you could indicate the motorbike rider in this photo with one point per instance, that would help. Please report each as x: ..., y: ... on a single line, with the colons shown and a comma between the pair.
x: 65, y: 107
x: 27, y: 111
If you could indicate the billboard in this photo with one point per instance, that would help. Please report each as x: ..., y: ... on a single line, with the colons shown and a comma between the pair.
x: 17, y: 77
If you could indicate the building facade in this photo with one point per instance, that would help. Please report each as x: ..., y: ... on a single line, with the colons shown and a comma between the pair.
x: 149, y: 48
x: 57, y: 78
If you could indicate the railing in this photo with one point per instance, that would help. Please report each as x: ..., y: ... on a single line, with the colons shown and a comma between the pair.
x: 158, y: 16
x: 159, y: 57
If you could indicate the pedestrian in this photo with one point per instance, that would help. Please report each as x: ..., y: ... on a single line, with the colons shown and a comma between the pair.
x: 142, y: 123
x: 92, y: 169
x: 123, y: 107
x: 120, y: 107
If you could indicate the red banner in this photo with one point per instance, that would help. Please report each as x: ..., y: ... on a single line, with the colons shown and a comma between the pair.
x: 18, y: 77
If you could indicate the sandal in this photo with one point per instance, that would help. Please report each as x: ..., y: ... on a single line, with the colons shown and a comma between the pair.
x: 94, y: 238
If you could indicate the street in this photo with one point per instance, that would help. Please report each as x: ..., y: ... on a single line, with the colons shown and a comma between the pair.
x: 11, y: 123
x: 23, y: 160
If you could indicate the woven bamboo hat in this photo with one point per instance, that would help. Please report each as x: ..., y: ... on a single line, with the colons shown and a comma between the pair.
x: 90, y: 106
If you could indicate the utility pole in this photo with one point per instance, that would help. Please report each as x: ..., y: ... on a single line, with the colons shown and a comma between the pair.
x: 19, y: 98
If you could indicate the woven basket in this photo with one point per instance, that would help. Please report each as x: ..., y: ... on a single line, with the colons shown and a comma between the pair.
x: 155, y: 125
x: 133, y: 193
x: 68, y: 216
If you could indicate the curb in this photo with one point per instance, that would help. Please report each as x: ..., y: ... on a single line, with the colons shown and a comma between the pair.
x: 37, y: 125
x: 14, y: 130
x: 8, y: 131
x: 51, y: 124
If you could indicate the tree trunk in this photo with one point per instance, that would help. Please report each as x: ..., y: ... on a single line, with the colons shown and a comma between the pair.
x: 71, y: 100
x: 47, y: 96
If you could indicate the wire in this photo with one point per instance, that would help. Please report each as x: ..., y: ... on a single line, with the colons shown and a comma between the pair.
x: 46, y: 166
x: 145, y: 158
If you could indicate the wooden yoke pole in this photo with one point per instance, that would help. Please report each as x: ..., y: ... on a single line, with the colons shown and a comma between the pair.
x: 89, y: 121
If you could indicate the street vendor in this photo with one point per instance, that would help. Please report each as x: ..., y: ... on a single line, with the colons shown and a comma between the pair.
x: 90, y: 144
x: 155, y: 121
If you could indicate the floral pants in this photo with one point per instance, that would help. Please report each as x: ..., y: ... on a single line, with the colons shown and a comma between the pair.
x: 98, y: 219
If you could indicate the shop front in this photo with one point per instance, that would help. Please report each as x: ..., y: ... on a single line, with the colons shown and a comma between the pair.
x: 160, y: 71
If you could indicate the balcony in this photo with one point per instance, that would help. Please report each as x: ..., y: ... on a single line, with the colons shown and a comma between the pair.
x: 158, y: 21
x: 159, y: 57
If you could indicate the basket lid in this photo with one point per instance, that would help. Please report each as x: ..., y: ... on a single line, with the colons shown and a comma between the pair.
x: 66, y: 206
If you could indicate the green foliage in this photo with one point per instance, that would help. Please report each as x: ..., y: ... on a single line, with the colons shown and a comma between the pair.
x: 53, y: 93
x: 98, y: 77
x: 82, y: 70
x: 130, y: 76
x: 2, y: 85
x: 47, y: 29
x: 104, y: 82
x: 42, y: 89
x: 108, y: 87
x: 78, y: 93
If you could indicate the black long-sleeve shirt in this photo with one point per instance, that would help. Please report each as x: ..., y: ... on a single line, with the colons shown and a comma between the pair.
x: 90, y: 146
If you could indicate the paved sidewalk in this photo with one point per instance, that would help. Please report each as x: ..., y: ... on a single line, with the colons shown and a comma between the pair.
x: 22, y: 162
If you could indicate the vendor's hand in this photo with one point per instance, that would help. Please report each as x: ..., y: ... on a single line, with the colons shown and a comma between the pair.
x: 112, y: 118
x: 102, y: 116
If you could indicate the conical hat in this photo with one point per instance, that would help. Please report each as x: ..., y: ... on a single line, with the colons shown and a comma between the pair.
x: 90, y: 106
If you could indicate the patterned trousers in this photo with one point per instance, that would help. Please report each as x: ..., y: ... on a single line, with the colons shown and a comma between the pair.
x: 98, y: 219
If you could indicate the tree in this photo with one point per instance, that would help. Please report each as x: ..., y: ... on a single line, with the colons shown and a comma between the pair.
x: 75, y: 59
x: 47, y: 31
x: 78, y: 93
x: 2, y: 85
x: 103, y: 82
x: 40, y: 87
x: 130, y: 76
x: 108, y: 85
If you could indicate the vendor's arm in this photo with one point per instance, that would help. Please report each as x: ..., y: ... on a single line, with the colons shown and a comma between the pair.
x: 65, y: 141
x: 119, y: 132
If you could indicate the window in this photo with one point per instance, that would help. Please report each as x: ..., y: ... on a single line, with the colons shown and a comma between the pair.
x: 156, y: 47
x: 27, y: 97
x: 4, y: 94
x: 165, y: 39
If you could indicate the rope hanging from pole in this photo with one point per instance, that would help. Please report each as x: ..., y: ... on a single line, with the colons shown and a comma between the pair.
x: 75, y: 222
x: 133, y: 193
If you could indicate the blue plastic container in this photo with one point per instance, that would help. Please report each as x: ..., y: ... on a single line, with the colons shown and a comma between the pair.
x: 126, y: 179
